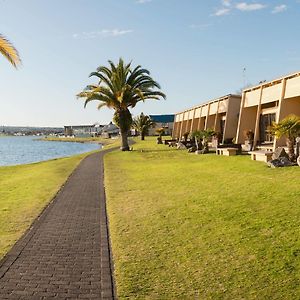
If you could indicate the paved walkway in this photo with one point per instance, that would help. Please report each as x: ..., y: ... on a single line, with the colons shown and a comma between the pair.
x: 65, y: 255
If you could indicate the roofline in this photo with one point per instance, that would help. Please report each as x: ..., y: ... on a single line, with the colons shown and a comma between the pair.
x: 210, y: 101
x: 79, y: 125
x: 272, y: 82
x: 162, y: 115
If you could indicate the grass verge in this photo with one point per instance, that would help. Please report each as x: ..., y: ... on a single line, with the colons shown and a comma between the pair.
x: 99, y: 140
x: 26, y: 189
x: 202, y: 227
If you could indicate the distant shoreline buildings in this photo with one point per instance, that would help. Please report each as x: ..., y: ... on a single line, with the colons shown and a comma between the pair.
x: 24, y: 131
x: 92, y: 130
x: 111, y: 130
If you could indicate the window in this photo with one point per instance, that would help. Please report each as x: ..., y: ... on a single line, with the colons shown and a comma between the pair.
x: 265, y: 122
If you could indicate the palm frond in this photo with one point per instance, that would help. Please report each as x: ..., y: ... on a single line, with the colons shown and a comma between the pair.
x: 9, y: 51
x: 121, y: 88
x: 289, y: 126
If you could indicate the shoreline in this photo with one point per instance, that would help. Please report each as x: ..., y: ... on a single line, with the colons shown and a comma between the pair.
x: 103, y: 145
x: 52, y: 159
x: 99, y: 141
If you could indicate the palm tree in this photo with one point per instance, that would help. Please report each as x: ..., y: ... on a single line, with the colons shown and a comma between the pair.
x: 202, y: 138
x: 160, y: 132
x: 9, y: 51
x: 290, y: 128
x: 142, y: 124
x: 120, y: 87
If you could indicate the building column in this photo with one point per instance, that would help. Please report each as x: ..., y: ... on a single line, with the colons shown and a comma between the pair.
x: 279, y: 110
x: 238, y: 140
x: 257, y: 121
x: 187, y: 123
x: 207, y: 115
x: 192, y: 123
x: 225, y: 127
x: 216, y: 117
x: 181, y: 127
x: 199, y: 122
x: 175, y: 128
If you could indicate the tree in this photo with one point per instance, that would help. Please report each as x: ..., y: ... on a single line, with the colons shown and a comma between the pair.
x: 9, y: 51
x: 160, y: 132
x: 202, y: 138
x: 142, y: 124
x: 120, y: 87
x: 290, y: 128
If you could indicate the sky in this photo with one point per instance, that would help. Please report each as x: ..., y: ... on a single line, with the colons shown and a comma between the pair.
x: 196, y: 49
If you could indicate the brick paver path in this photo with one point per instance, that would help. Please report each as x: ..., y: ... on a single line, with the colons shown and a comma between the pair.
x: 65, y: 255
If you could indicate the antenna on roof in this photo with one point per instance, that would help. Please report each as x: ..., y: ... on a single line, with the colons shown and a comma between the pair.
x: 244, y: 77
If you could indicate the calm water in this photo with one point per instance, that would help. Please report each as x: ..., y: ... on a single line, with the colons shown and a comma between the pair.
x: 24, y: 150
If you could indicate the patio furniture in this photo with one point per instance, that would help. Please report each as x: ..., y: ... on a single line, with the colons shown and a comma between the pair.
x: 172, y: 144
x: 238, y: 147
x: 261, y: 155
x: 167, y: 142
x: 226, y: 151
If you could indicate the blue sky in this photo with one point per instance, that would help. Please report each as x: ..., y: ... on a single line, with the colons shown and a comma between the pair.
x: 195, y: 49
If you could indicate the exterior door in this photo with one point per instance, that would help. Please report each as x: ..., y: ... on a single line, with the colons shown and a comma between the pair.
x: 222, y: 128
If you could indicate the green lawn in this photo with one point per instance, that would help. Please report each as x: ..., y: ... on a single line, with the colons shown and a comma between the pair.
x: 24, y: 192
x: 186, y: 226
x: 26, y: 189
x: 101, y: 140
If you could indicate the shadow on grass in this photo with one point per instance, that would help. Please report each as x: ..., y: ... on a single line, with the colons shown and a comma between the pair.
x: 151, y: 150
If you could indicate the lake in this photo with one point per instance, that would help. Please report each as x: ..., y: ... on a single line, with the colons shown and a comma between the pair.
x: 16, y: 150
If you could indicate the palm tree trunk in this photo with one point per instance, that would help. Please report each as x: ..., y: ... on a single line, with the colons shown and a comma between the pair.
x: 123, y: 120
x: 142, y: 137
x: 124, y: 141
x: 290, y: 142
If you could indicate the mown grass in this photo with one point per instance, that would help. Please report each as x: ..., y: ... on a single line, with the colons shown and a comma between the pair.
x: 187, y: 226
x: 26, y: 189
x: 99, y: 140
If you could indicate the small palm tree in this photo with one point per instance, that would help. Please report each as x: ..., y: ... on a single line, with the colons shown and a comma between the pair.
x: 142, y: 124
x: 9, y: 51
x: 120, y: 87
x: 290, y: 128
x: 202, y: 138
x: 160, y: 132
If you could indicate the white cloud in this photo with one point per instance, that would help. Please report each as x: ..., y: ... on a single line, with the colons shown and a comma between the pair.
x: 243, y: 6
x: 143, y: 1
x: 279, y: 9
x: 102, y: 33
x: 221, y: 12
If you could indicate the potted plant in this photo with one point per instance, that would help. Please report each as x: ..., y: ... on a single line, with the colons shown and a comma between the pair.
x: 160, y: 132
x: 249, y: 139
x: 216, y: 139
x: 185, y: 136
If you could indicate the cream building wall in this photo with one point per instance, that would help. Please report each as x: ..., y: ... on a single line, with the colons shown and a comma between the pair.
x: 209, y: 115
x: 279, y: 98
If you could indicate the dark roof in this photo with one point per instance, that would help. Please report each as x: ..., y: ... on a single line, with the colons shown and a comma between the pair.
x: 162, y: 118
x: 110, y: 128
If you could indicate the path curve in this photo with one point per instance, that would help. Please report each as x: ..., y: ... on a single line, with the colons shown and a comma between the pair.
x: 66, y: 252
